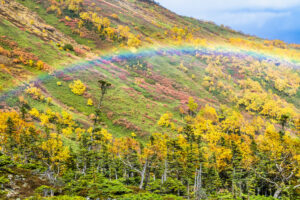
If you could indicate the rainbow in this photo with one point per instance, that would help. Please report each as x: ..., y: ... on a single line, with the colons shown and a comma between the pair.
x: 123, y: 55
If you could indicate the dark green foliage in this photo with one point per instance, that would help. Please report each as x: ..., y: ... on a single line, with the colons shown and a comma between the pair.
x: 97, y: 188
x: 149, y: 196
x: 68, y: 47
x: 173, y: 186
x: 5, y: 162
x: 170, y: 186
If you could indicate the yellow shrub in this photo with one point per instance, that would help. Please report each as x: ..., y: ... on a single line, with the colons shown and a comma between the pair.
x: 34, y: 112
x: 77, y: 87
x: 164, y: 120
x: 35, y: 93
x: 133, y: 41
x: 90, y: 102
x: 49, y: 100
x: 68, y: 18
x: 115, y: 16
x: 40, y: 65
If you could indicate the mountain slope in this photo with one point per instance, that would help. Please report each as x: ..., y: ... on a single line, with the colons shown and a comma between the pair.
x: 185, y: 94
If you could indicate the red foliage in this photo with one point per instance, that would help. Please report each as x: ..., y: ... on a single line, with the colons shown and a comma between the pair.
x: 8, y: 42
x: 67, y: 78
x: 123, y: 77
x: 60, y: 75
x: 148, y: 117
x: 79, y: 51
x: 110, y: 115
x: 24, y: 55
x: 72, y: 23
x: 127, y: 124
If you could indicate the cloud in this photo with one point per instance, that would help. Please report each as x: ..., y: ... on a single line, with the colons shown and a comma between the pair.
x: 265, y: 18
x: 226, y: 5
x: 253, y: 18
x: 234, y: 13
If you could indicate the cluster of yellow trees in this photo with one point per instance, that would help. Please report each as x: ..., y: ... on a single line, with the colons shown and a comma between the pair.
x: 250, y: 93
x: 275, y: 47
x: 58, y: 6
x: 183, y: 34
x: 214, y: 150
x: 103, y: 25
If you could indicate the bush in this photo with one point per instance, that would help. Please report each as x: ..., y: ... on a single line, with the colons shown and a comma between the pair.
x: 173, y: 186
x: 68, y: 47
x: 77, y: 87
x: 44, y: 190
x: 150, y: 81
x: 149, y: 196
x: 261, y: 198
x: 101, y: 188
x: 5, y: 162
x: 90, y: 102
x: 66, y: 198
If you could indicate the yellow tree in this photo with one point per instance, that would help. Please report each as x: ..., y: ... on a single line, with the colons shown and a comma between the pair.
x: 156, y: 152
x: 54, y: 156
x: 192, y: 106
x: 129, y: 152
x: 17, y: 137
x: 164, y: 120
x: 279, y: 160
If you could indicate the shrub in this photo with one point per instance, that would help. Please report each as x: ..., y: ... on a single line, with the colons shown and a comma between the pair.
x: 90, y: 102
x: 44, y: 190
x: 77, y: 87
x: 35, y: 93
x: 68, y: 47
x: 115, y: 16
x: 49, y: 100
x: 40, y: 65
x: 102, y: 188
x: 34, y: 112
x: 150, y: 196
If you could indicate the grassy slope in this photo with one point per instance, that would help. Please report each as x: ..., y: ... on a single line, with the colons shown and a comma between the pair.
x: 45, y: 51
x: 127, y: 99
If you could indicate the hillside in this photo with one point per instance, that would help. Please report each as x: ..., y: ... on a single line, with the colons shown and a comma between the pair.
x: 128, y: 100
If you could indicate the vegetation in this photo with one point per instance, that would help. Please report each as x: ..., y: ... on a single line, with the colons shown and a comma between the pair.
x: 200, y: 112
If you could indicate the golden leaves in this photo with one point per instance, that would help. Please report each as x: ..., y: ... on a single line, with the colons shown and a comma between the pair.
x: 77, y: 87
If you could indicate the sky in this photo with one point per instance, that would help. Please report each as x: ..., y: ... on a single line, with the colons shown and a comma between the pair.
x: 269, y: 19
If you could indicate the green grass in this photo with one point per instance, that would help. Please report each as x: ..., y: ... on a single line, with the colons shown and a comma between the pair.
x: 52, y: 20
x: 5, y: 81
x: 132, y: 108
x: 46, y: 52
x: 64, y: 94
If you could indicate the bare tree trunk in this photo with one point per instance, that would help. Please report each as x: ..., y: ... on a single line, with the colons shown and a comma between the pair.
x: 232, y: 185
x: 277, y: 193
x: 199, y: 192
x: 143, y: 175
x: 164, y: 176
x: 188, y: 189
